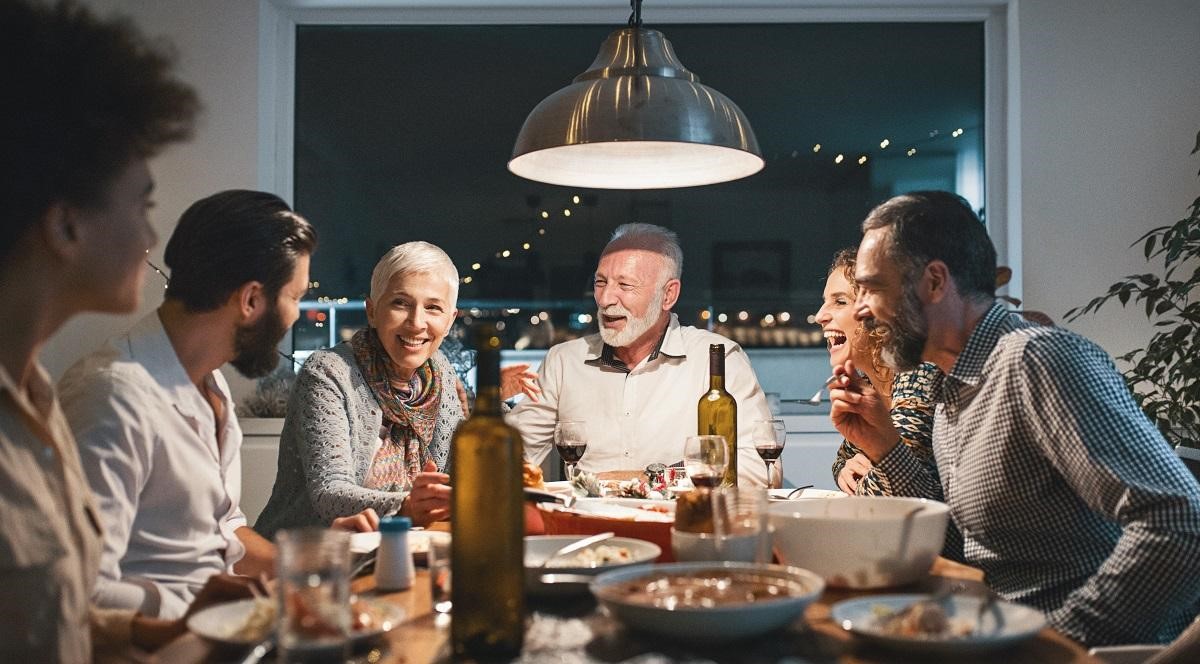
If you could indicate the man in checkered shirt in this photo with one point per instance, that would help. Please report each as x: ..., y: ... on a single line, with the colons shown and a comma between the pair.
x: 1066, y: 495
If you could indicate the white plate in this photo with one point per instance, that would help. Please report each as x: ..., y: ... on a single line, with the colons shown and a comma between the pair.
x: 782, y: 494
x: 1005, y: 624
x: 627, y: 509
x: 221, y: 623
x: 418, y: 542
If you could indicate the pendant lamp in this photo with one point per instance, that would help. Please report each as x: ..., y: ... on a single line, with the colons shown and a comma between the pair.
x: 636, y: 119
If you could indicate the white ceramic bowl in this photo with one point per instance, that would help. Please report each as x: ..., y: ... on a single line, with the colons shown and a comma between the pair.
x: 861, y: 541
x: 538, y: 547
x: 712, y: 624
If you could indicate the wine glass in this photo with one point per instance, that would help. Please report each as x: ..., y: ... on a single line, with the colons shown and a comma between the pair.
x: 769, y: 438
x: 705, y: 458
x: 570, y: 439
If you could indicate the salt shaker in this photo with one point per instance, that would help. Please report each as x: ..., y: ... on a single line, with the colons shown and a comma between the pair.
x: 393, y: 561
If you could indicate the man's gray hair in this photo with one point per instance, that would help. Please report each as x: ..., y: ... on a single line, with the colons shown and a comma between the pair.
x: 648, y: 237
x: 414, y: 258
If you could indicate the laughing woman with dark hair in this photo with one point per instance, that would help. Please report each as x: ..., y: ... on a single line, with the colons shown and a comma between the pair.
x: 908, y: 393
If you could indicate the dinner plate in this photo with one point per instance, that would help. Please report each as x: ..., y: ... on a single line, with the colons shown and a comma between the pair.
x: 221, y: 623
x: 418, y: 543
x: 626, y: 509
x: 1004, y: 624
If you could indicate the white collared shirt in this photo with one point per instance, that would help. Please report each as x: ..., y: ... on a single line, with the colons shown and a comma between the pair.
x: 166, y: 475
x: 642, y: 416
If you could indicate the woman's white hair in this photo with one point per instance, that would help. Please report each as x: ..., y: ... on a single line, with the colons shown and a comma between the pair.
x: 648, y: 237
x: 414, y: 258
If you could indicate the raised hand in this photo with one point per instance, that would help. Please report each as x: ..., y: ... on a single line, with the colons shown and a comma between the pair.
x: 860, y: 413
x: 429, y: 500
x: 518, y: 379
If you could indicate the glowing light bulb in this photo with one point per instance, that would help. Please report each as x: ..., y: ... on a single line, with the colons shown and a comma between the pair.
x: 884, y: 143
x: 838, y: 159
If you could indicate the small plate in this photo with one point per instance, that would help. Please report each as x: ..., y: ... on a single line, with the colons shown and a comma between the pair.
x: 220, y: 623
x: 1003, y: 625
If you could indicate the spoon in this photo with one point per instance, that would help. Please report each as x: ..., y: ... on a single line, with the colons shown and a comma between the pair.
x: 578, y: 546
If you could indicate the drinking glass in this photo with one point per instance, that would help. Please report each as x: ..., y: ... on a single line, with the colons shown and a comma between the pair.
x: 705, y: 458
x: 769, y: 437
x: 439, y: 573
x: 314, y: 594
x: 740, y: 524
x: 570, y: 439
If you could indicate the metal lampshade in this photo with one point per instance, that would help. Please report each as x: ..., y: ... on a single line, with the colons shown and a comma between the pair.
x: 636, y: 119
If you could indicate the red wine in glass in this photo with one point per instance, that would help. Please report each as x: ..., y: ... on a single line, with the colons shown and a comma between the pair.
x: 707, y: 480
x: 769, y: 452
x: 571, y: 453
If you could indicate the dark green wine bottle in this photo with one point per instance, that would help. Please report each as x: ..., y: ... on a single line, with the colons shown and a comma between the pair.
x: 717, y: 411
x: 487, y: 521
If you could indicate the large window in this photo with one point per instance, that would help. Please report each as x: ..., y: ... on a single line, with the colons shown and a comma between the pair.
x: 403, y: 132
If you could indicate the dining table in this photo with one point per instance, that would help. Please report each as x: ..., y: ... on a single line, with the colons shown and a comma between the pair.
x: 576, y: 629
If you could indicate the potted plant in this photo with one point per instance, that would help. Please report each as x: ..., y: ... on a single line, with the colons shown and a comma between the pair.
x: 1165, y: 375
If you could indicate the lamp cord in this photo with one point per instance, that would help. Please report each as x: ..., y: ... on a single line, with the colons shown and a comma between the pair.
x: 635, y: 18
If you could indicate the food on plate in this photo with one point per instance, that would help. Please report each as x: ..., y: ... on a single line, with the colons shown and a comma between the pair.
x: 636, y: 488
x: 258, y: 623
x: 921, y: 620
x: 586, y: 485
x: 595, y: 556
x: 706, y: 588
x: 531, y: 476
x: 693, y: 511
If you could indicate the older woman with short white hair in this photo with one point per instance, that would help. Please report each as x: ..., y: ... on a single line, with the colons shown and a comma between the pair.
x: 370, y: 420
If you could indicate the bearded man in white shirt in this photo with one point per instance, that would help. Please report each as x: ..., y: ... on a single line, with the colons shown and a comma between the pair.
x: 636, y: 384
x: 157, y: 433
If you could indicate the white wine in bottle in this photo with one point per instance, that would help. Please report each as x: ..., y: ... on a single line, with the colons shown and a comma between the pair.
x: 488, y: 546
x: 717, y: 411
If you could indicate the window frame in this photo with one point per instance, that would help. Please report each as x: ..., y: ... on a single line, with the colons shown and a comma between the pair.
x: 278, y: 20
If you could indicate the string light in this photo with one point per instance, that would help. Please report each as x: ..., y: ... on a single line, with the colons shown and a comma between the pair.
x: 862, y: 160
x: 911, y: 152
x: 884, y: 143
x: 566, y: 212
x: 545, y: 215
x: 475, y: 266
x: 721, y: 318
x: 505, y: 254
x: 817, y: 148
x: 526, y: 246
x: 838, y: 159
x: 575, y: 199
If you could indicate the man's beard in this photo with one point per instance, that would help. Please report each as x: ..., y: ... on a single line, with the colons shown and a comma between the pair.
x: 634, y: 327
x: 255, y: 345
x: 903, y: 339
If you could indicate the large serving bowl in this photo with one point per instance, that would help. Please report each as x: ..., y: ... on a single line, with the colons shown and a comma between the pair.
x: 861, y: 541
x: 738, y: 600
x: 538, y: 548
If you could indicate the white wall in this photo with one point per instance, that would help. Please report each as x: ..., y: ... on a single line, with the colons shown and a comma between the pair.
x: 1109, y: 107
x: 217, y: 44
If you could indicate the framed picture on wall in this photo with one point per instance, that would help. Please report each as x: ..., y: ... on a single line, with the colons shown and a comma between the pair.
x: 751, y: 269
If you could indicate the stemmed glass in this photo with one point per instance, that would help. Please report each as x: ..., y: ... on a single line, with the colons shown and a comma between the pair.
x: 570, y: 439
x: 705, y: 459
x: 769, y: 438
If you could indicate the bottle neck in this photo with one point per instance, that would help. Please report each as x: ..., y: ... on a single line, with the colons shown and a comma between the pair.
x: 716, y: 370
x: 487, y: 381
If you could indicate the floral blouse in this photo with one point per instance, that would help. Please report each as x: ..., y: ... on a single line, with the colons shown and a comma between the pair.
x: 912, y: 415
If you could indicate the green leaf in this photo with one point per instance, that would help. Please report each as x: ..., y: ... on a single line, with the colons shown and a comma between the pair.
x: 1150, y: 245
x: 1197, y: 148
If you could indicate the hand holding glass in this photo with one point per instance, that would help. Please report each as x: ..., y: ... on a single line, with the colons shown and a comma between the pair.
x: 705, y: 458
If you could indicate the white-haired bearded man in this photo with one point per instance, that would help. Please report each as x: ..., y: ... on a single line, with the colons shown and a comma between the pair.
x: 636, y: 383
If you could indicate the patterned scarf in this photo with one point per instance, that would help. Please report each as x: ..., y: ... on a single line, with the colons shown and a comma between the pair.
x: 411, y: 412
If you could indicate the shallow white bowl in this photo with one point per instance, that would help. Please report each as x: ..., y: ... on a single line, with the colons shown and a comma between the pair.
x: 861, y: 541
x: 538, y: 547
x: 720, y: 623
